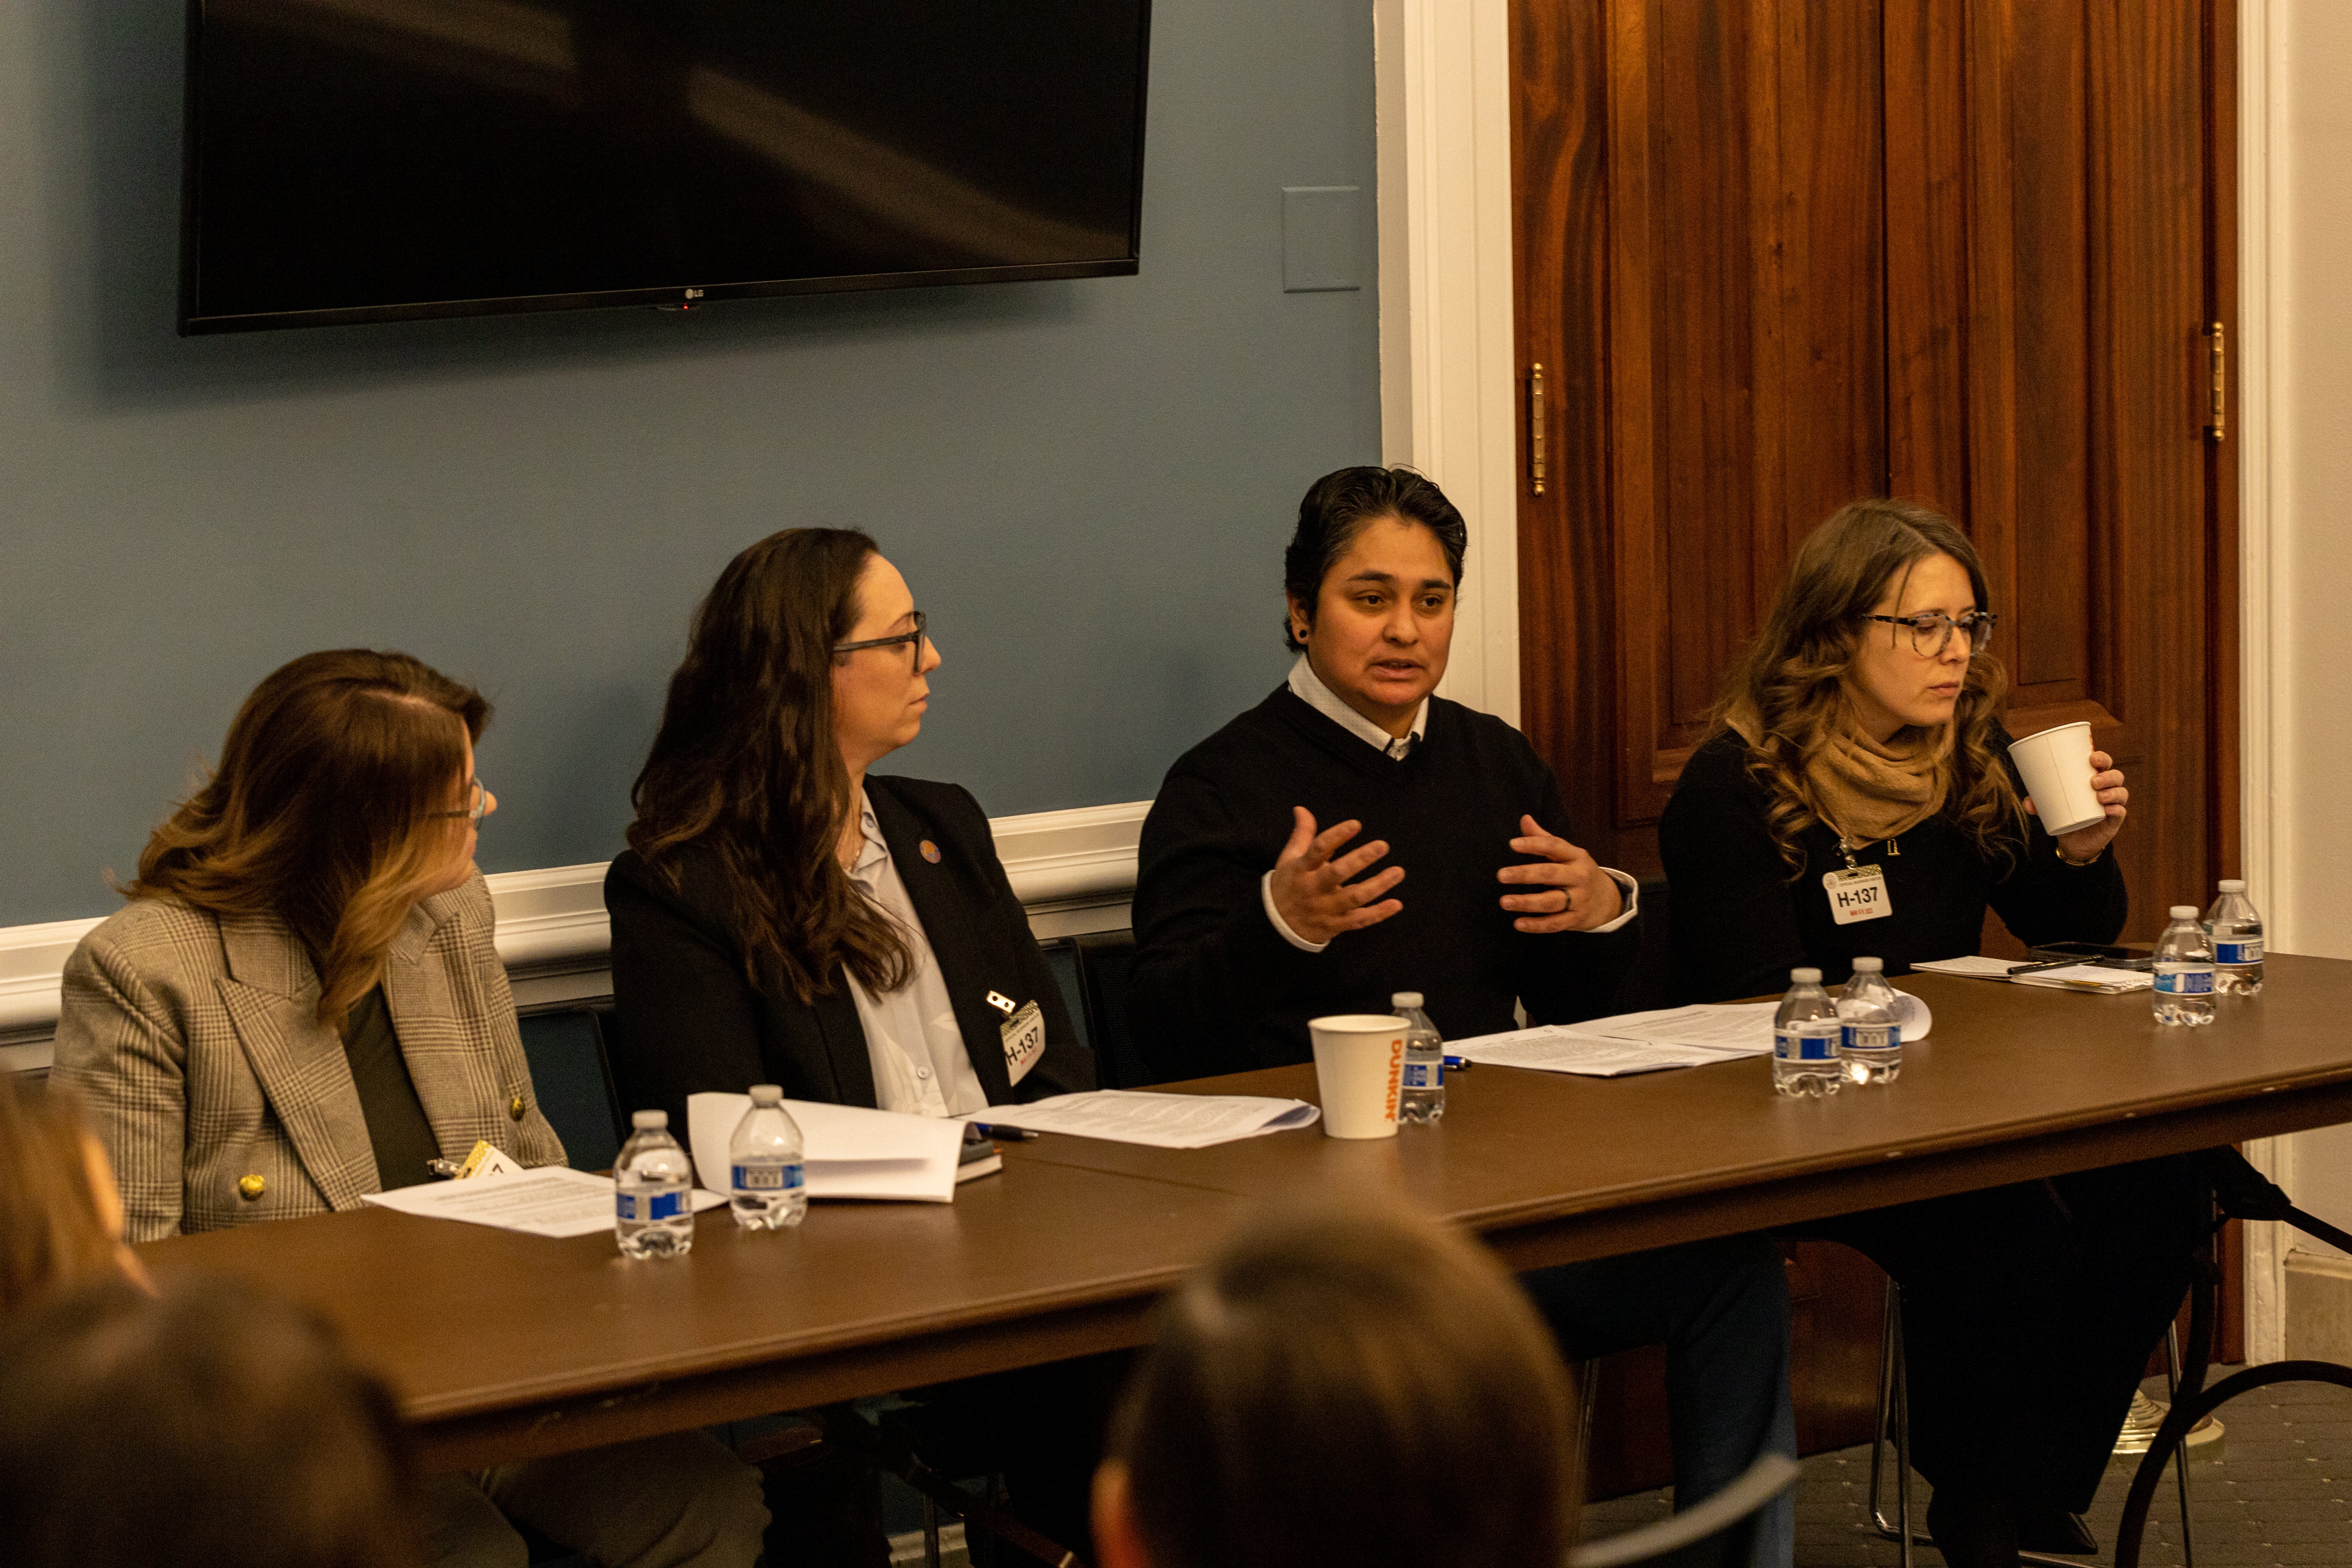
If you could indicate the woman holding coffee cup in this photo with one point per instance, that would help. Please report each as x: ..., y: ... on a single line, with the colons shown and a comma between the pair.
x: 1856, y: 751
x: 1859, y: 733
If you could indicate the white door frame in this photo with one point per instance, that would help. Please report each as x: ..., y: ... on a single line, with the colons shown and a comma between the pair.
x: 1448, y: 384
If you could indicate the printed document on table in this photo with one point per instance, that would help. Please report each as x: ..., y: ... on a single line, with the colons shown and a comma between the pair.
x: 2095, y: 979
x: 548, y: 1201
x: 846, y: 1151
x: 1160, y: 1120
x: 1551, y: 1049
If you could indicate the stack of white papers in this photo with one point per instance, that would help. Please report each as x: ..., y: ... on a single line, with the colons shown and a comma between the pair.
x: 1645, y: 1042
x: 2093, y: 978
x: 848, y: 1150
x: 549, y: 1201
x: 1158, y: 1121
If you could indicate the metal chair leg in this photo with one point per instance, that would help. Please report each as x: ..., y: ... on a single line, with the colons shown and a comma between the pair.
x: 1894, y: 1423
x: 1587, y: 1379
x: 930, y: 1533
x: 2180, y: 1454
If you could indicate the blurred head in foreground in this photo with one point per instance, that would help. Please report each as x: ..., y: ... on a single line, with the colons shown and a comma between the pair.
x: 1342, y: 1385
x: 60, y: 1213
x: 205, y: 1427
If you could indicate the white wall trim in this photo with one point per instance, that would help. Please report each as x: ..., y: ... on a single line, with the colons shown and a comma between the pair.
x: 2262, y: 658
x: 1449, y: 382
x: 556, y: 939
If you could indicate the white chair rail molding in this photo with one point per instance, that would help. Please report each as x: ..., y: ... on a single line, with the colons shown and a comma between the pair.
x: 1074, y: 871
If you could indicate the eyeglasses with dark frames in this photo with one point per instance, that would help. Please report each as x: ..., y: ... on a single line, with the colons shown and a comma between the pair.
x: 476, y: 803
x: 1931, y: 633
x: 913, y: 640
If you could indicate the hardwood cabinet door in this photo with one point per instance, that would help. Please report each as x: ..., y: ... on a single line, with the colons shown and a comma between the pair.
x: 1776, y: 255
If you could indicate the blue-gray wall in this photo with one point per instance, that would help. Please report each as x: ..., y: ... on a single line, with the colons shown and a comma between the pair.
x: 1088, y: 483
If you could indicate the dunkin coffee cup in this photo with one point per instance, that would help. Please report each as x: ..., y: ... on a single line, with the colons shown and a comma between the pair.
x: 2057, y: 768
x: 1359, y: 1068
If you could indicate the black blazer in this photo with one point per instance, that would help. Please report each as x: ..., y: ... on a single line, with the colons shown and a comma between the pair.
x: 689, y: 1019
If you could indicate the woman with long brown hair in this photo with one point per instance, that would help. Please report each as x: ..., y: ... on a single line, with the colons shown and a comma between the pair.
x: 303, y: 1003
x: 1861, y: 730
x: 783, y: 914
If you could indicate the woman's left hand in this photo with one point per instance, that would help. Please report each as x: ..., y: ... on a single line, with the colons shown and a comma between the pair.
x: 2084, y: 843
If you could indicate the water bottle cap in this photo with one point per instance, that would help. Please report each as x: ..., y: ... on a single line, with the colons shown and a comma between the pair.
x: 1869, y: 966
x: 767, y: 1094
x: 1405, y: 999
x: 1805, y: 976
x: 644, y: 1120
x: 2233, y: 885
x: 2184, y: 911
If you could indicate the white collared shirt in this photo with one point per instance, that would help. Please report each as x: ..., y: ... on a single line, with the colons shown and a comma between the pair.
x: 1310, y: 689
x: 912, y: 1039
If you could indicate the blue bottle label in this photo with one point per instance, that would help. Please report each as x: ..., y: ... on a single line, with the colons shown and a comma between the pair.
x: 1424, y: 1075
x: 2247, y: 950
x: 2185, y: 982
x: 769, y: 1178
x: 1868, y: 1036
x: 1791, y: 1046
x: 648, y: 1207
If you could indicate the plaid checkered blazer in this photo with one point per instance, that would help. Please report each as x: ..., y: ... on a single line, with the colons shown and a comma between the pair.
x: 194, y: 1040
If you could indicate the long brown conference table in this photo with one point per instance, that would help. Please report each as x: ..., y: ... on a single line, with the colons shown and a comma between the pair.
x: 504, y: 1346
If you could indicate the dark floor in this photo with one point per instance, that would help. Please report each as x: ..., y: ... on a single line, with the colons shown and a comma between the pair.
x: 2277, y: 1489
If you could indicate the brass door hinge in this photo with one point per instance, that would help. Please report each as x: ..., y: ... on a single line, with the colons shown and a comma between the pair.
x: 2217, y: 358
x: 1535, y: 463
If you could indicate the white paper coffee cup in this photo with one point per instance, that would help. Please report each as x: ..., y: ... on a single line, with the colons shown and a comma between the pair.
x: 2057, y: 768
x: 1359, y: 1072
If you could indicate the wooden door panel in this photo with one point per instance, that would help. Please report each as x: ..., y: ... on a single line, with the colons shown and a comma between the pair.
x: 1777, y: 256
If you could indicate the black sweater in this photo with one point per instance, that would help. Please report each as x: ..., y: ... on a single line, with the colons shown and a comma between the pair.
x: 1741, y: 922
x: 1217, y: 989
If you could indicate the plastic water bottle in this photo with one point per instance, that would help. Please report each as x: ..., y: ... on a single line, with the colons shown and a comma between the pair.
x: 1422, y: 1097
x: 652, y: 1181
x: 1805, y: 1039
x: 2235, y: 927
x: 767, y: 1189
x: 1870, y: 1039
x: 2184, y: 971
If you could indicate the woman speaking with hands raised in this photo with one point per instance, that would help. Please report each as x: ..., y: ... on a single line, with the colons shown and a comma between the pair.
x: 1445, y: 868
x: 1354, y: 834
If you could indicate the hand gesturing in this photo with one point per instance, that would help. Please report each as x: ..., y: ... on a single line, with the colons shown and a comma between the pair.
x: 1312, y: 891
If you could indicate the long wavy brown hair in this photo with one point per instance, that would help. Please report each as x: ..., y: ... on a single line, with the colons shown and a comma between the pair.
x: 746, y: 765
x: 322, y: 811
x: 1787, y: 696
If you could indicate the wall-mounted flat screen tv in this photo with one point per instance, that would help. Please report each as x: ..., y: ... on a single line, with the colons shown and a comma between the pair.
x: 386, y: 160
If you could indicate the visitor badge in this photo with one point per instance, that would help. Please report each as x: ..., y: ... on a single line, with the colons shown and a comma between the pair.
x: 1024, y: 1032
x: 1857, y: 893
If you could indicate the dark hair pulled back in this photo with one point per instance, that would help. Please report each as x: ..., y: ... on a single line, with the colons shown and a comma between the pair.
x: 1339, y: 506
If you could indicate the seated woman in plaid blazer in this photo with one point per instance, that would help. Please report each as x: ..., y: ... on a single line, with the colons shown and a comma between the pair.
x: 303, y: 1003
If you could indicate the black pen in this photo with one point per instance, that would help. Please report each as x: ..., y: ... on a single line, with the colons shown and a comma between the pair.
x: 2017, y: 969
x: 1009, y: 1134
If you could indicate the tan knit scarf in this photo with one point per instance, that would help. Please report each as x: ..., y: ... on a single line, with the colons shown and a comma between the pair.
x: 1865, y: 790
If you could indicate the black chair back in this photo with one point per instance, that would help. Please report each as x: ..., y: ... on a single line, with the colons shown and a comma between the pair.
x: 573, y: 1079
x: 1104, y: 960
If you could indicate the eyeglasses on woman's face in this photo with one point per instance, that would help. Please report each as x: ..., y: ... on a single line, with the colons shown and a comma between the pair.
x: 1931, y: 633
x: 478, y: 801
x: 913, y: 640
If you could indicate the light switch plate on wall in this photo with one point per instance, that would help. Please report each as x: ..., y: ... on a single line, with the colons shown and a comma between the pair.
x: 1322, y: 238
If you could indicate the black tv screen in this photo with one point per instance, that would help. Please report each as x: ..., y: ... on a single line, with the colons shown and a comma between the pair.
x: 383, y: 160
